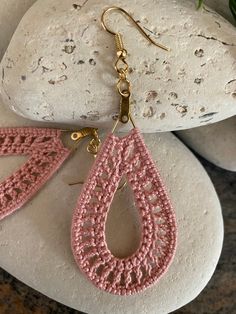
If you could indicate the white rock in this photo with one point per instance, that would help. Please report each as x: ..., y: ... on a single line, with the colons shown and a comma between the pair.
x: 35, y: 241
x: 214, y: 142
x: 11, y: 12
x: 58, y: 66
x: 222, y: 7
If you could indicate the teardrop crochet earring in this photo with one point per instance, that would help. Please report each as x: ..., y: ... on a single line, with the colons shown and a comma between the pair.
x: 129, y: 157
x: 46, y: 152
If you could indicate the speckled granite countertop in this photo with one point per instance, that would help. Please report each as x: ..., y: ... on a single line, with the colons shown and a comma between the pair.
x: 218, y: 297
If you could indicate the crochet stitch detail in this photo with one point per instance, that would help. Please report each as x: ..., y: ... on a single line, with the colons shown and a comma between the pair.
x: 129, y: 157
x: 46, y: 153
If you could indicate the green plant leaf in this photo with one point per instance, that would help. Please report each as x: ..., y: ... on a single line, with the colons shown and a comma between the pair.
x: 232, y: 6
x: 200, y: 2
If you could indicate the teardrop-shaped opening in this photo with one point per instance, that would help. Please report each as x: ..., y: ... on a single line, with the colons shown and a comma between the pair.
x: 123, y: 225
x: 9, y: 165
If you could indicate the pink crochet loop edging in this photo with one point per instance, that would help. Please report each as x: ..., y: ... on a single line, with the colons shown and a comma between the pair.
x: 129, y: 157
x: 46, y: 153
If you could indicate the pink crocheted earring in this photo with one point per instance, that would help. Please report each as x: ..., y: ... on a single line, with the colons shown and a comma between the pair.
x: 46, y: 153
x: 123, y: 157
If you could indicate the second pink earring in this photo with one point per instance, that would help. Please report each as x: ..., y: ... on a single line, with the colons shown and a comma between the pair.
x: 45, y: 153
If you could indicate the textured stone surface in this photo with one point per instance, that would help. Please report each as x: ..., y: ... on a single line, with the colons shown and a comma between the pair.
x: 11, y: 12
x: 35, y: 241
x: 216, y: 143
x: 58, y: 66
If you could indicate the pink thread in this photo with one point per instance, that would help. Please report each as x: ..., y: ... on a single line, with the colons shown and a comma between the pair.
x: 127, y: 157
x: 46, y: 153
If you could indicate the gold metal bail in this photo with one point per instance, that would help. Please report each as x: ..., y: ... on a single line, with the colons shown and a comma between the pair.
x: 77, y: 136
x: 94, y: 143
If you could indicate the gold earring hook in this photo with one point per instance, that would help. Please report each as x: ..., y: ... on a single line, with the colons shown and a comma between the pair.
x: 141, y: 30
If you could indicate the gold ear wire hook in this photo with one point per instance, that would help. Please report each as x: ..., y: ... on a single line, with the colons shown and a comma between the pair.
x: 141, y: 30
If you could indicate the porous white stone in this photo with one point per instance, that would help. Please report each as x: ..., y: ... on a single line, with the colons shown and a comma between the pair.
x: 216, y: 142
x: 59, y: 65
x: 35, y: 241
x: 11, y: 12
